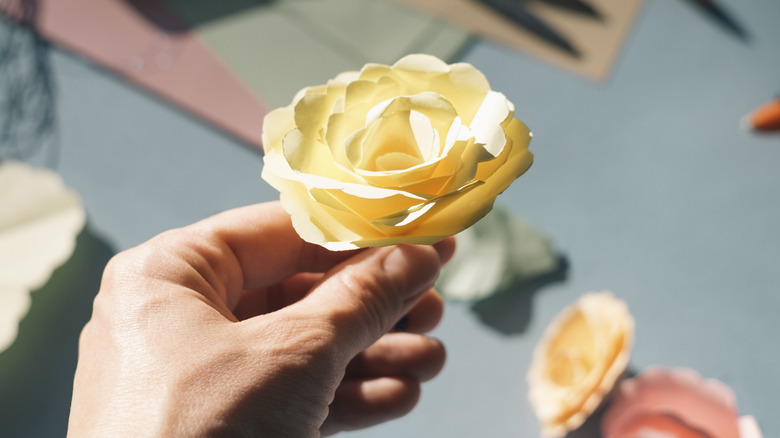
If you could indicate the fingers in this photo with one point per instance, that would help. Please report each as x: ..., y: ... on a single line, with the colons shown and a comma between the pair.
x: 254, y: 302
x: 422, y: 318
x: 250, y: 248
x: 264, y: 244
x: 425, y: 315
x: 362, y: 298
x: 446, y: 249
x: 400, y: 355
x: 362, y: 403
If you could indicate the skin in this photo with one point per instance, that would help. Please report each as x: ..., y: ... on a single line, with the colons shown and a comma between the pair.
x: 235, y: 327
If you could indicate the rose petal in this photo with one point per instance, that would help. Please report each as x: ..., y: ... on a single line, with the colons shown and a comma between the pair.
x: 486, y: 126
x: 312, y: 109
x: 452, y: 213
x: 465, y: 87
x: 276, y: 125
x: 422, y: 63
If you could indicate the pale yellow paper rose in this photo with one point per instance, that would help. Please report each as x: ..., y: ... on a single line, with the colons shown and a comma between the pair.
x: 39, y: 221
x: 412, y: 152
x: 581, y: 357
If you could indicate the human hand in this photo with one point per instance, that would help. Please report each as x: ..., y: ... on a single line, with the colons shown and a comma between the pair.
x: 234, y: 326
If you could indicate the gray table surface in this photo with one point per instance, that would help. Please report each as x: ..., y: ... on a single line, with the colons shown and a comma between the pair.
x: 646, y: 184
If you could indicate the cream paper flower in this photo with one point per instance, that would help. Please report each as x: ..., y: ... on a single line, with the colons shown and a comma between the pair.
x: 39, y: 221
x: 579, y: 360
x: 412, y: 152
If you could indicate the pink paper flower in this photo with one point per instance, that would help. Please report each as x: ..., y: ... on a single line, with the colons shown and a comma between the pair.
x: 676, y: 403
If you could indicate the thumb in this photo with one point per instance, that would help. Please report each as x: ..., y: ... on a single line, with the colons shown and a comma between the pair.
x: 362, y: 298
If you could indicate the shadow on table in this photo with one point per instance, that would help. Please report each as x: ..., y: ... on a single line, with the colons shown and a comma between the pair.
x: 592, y: 426
x: 27, y: 93
x: 509, y: 311
x: 36, y: 371
x: 722, y: 17
x: 181, y: 15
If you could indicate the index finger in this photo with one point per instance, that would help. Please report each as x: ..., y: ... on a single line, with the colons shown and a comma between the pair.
x: 266, y: 246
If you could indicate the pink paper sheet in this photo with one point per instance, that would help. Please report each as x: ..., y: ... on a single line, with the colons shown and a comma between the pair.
x: 167, y: 60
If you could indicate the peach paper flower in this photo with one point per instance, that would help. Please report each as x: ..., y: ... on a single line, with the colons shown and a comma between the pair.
x: 579, y: 360
x: 676, y: 403
x: 412, y: 152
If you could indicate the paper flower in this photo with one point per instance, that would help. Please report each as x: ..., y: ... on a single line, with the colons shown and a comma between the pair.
x: 39, y: 221
x: 579, y: 360
x: 676, y: 403
x: 499, y: 251
x: 412, y: 152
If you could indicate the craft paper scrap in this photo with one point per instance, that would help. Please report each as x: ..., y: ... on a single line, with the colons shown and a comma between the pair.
x: 145, y: 43
x: 598, y: 39
x: 279, y: 47
x: 39, y: 221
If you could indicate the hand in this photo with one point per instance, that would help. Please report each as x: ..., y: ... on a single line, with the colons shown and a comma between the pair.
x: 235, y: 327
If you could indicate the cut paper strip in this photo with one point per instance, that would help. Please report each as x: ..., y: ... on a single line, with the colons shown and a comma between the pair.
x: 144, y: 42
x: 39, y: 221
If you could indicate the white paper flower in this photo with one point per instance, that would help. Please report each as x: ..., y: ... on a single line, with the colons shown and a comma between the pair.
x: 39, y: 221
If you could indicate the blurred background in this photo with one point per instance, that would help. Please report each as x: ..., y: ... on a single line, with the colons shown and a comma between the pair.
x: 647, y: 179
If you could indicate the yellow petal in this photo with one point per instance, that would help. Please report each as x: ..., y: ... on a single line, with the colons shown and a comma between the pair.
x: 276, y: 124
x: 455, y: 213
x: 465, y: 87
x: 422, y: 63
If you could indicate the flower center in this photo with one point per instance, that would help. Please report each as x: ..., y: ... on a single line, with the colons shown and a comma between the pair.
x: 394, y: 142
